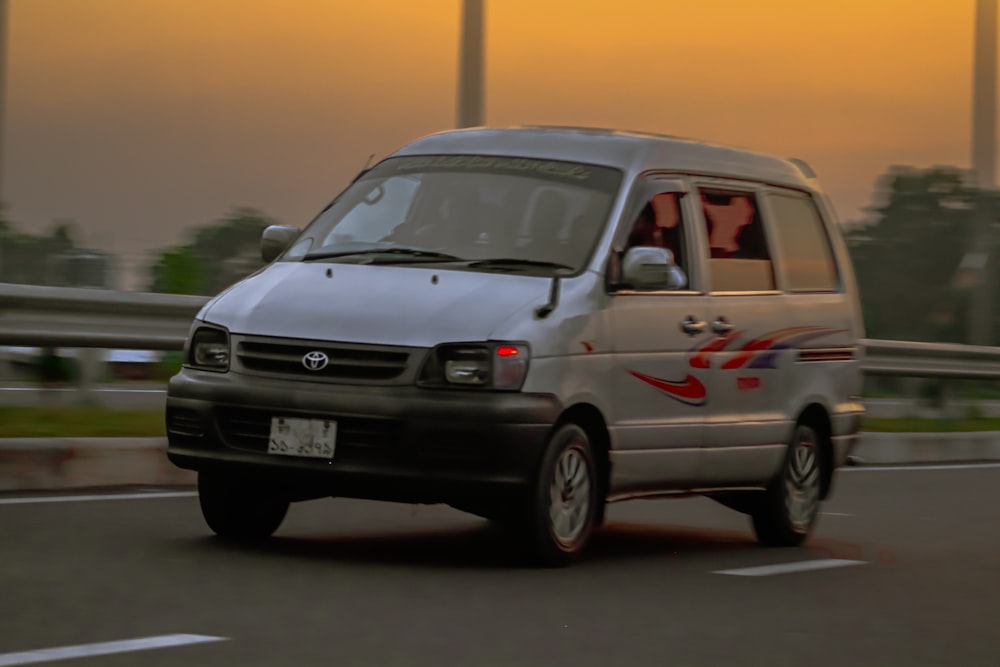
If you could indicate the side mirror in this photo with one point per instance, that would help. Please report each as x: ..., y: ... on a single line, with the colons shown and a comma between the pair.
x: 651, y: 268
x: 275, y: 240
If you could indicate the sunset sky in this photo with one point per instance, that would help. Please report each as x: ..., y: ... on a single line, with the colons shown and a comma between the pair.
x: 142, y: 118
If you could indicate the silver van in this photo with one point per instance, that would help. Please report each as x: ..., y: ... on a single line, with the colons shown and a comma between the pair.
x: 527, y: 324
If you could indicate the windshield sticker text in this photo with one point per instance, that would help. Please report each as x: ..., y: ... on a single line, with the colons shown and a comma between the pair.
x: 561, y: 169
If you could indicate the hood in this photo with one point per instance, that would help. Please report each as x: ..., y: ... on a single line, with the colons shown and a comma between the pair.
x: 391, y: 305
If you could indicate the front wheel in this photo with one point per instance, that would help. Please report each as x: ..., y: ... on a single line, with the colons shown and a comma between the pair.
x: 564, y: 500
x: 787, y: 511
x: 237, y: 509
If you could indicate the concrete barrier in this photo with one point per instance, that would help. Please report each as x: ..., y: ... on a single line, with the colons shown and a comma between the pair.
x: 35, y: 464
x: 52, y: 464
x: 917, y: 448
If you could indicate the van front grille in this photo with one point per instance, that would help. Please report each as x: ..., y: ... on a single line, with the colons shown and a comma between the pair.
x: 331, y: 361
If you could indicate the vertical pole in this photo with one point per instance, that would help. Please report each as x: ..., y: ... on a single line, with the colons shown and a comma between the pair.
x: 984, y: 146
x: 3, y: 91
x: 3, y: 121
x: 470, y: 65
x: 984, y: 105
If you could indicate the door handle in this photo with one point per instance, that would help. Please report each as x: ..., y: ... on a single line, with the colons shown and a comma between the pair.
x: 692, y: 327
x: 721, y: 326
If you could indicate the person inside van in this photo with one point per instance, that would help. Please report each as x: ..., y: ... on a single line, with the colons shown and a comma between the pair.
x: 733, y: 225
x: 659, y: 225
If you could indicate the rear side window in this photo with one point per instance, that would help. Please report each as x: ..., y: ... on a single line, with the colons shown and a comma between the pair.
x: 740, y: 260
x: 803, y: 247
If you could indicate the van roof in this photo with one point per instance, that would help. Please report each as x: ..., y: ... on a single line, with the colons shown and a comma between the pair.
x: 627, y: 150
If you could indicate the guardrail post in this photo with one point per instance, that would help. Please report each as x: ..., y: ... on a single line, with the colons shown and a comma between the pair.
x: 7, y: 371
x: 88, y: 374
x: 946, y: 399
x: 910, y: 390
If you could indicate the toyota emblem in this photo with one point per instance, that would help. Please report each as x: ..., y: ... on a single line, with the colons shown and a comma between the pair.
x: 315, y: 361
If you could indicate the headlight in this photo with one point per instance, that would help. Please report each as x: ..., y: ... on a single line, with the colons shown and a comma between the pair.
x: 466, y: 365
x: 209, y: 349
x: 490, y: 365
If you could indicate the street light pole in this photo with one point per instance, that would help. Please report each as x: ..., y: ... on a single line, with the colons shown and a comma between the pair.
x: 984, y: 95
x: 984, y: 146
x: 3, y: 122
x: 3, y: 90
x: 470, y: 65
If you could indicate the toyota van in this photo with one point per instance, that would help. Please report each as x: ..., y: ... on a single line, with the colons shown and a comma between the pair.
x: 528, y: 324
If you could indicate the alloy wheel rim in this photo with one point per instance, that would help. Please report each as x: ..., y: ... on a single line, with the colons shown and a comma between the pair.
x: 802, y: 484
x: 569, y: 497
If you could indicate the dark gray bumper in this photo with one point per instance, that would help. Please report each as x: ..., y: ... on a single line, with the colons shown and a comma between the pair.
x: 393, y: 443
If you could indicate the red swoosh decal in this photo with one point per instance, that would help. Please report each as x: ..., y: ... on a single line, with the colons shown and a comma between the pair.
x: 690, y: 390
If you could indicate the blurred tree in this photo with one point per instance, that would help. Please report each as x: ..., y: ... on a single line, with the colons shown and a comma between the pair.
x: 178, y: 272
x: 218, y: 255
x: 907, y: 261
x: 31, y: 259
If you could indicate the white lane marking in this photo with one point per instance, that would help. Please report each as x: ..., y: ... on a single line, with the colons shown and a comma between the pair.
x: 106, y: 390
x: 103, y: 648
x: 946, y: 466
x: 836, y: 514
x: 786, y: 568
x: 112, y: 390
x: 80, y: 499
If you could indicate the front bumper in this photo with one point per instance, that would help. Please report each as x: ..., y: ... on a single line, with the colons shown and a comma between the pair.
x: 398, y: 443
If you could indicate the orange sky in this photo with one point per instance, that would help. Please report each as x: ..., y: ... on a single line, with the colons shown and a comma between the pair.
x: 140, y: 118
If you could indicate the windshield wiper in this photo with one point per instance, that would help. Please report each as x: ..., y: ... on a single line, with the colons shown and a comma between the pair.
x: 428, y: 255
x: 518, y: 263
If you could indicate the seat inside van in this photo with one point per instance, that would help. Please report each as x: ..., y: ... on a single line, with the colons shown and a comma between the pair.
x: 742, y: 275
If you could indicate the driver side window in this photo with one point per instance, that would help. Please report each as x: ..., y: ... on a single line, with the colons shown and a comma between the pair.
x: 374, y: 218
x: 660, y: 224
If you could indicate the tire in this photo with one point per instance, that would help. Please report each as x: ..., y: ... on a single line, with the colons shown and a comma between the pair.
x: 786, y: 513
x: 563, y: 502
x: 237, y: 509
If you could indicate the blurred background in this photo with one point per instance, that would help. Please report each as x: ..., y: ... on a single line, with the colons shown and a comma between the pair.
x: 145, y: 145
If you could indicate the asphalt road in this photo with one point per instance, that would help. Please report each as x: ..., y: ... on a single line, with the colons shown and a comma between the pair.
x: 371, y: 584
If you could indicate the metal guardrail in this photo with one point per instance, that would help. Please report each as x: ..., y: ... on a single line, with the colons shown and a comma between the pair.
x: 931, y: 360
x: 39, y: 316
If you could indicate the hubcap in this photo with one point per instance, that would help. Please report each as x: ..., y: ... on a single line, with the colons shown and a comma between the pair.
x: 569, y: 496
x: 802, y: 483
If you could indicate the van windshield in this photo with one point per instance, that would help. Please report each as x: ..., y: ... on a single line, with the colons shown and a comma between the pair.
x: 484, y: 213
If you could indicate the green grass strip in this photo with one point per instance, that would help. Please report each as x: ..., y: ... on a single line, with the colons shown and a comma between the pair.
x: 79, y: 422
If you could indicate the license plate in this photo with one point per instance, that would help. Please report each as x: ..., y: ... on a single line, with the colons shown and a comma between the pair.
x: 311, y: 438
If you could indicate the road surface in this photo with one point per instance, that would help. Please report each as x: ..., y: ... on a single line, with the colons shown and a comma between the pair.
x: 903, y: 570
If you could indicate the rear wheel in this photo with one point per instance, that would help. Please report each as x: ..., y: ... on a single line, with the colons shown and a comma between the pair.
x: 235, y: 508
x: 564, y: 500
x: 786, y: 513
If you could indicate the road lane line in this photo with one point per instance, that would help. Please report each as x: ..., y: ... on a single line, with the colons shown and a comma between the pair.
x: 106, y: 390
x: 836, y: 514
x: 946, y: 466
x: 103, y: 648
x: 112, y: 390
x: 80, y: 499
x: 787, y: 568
